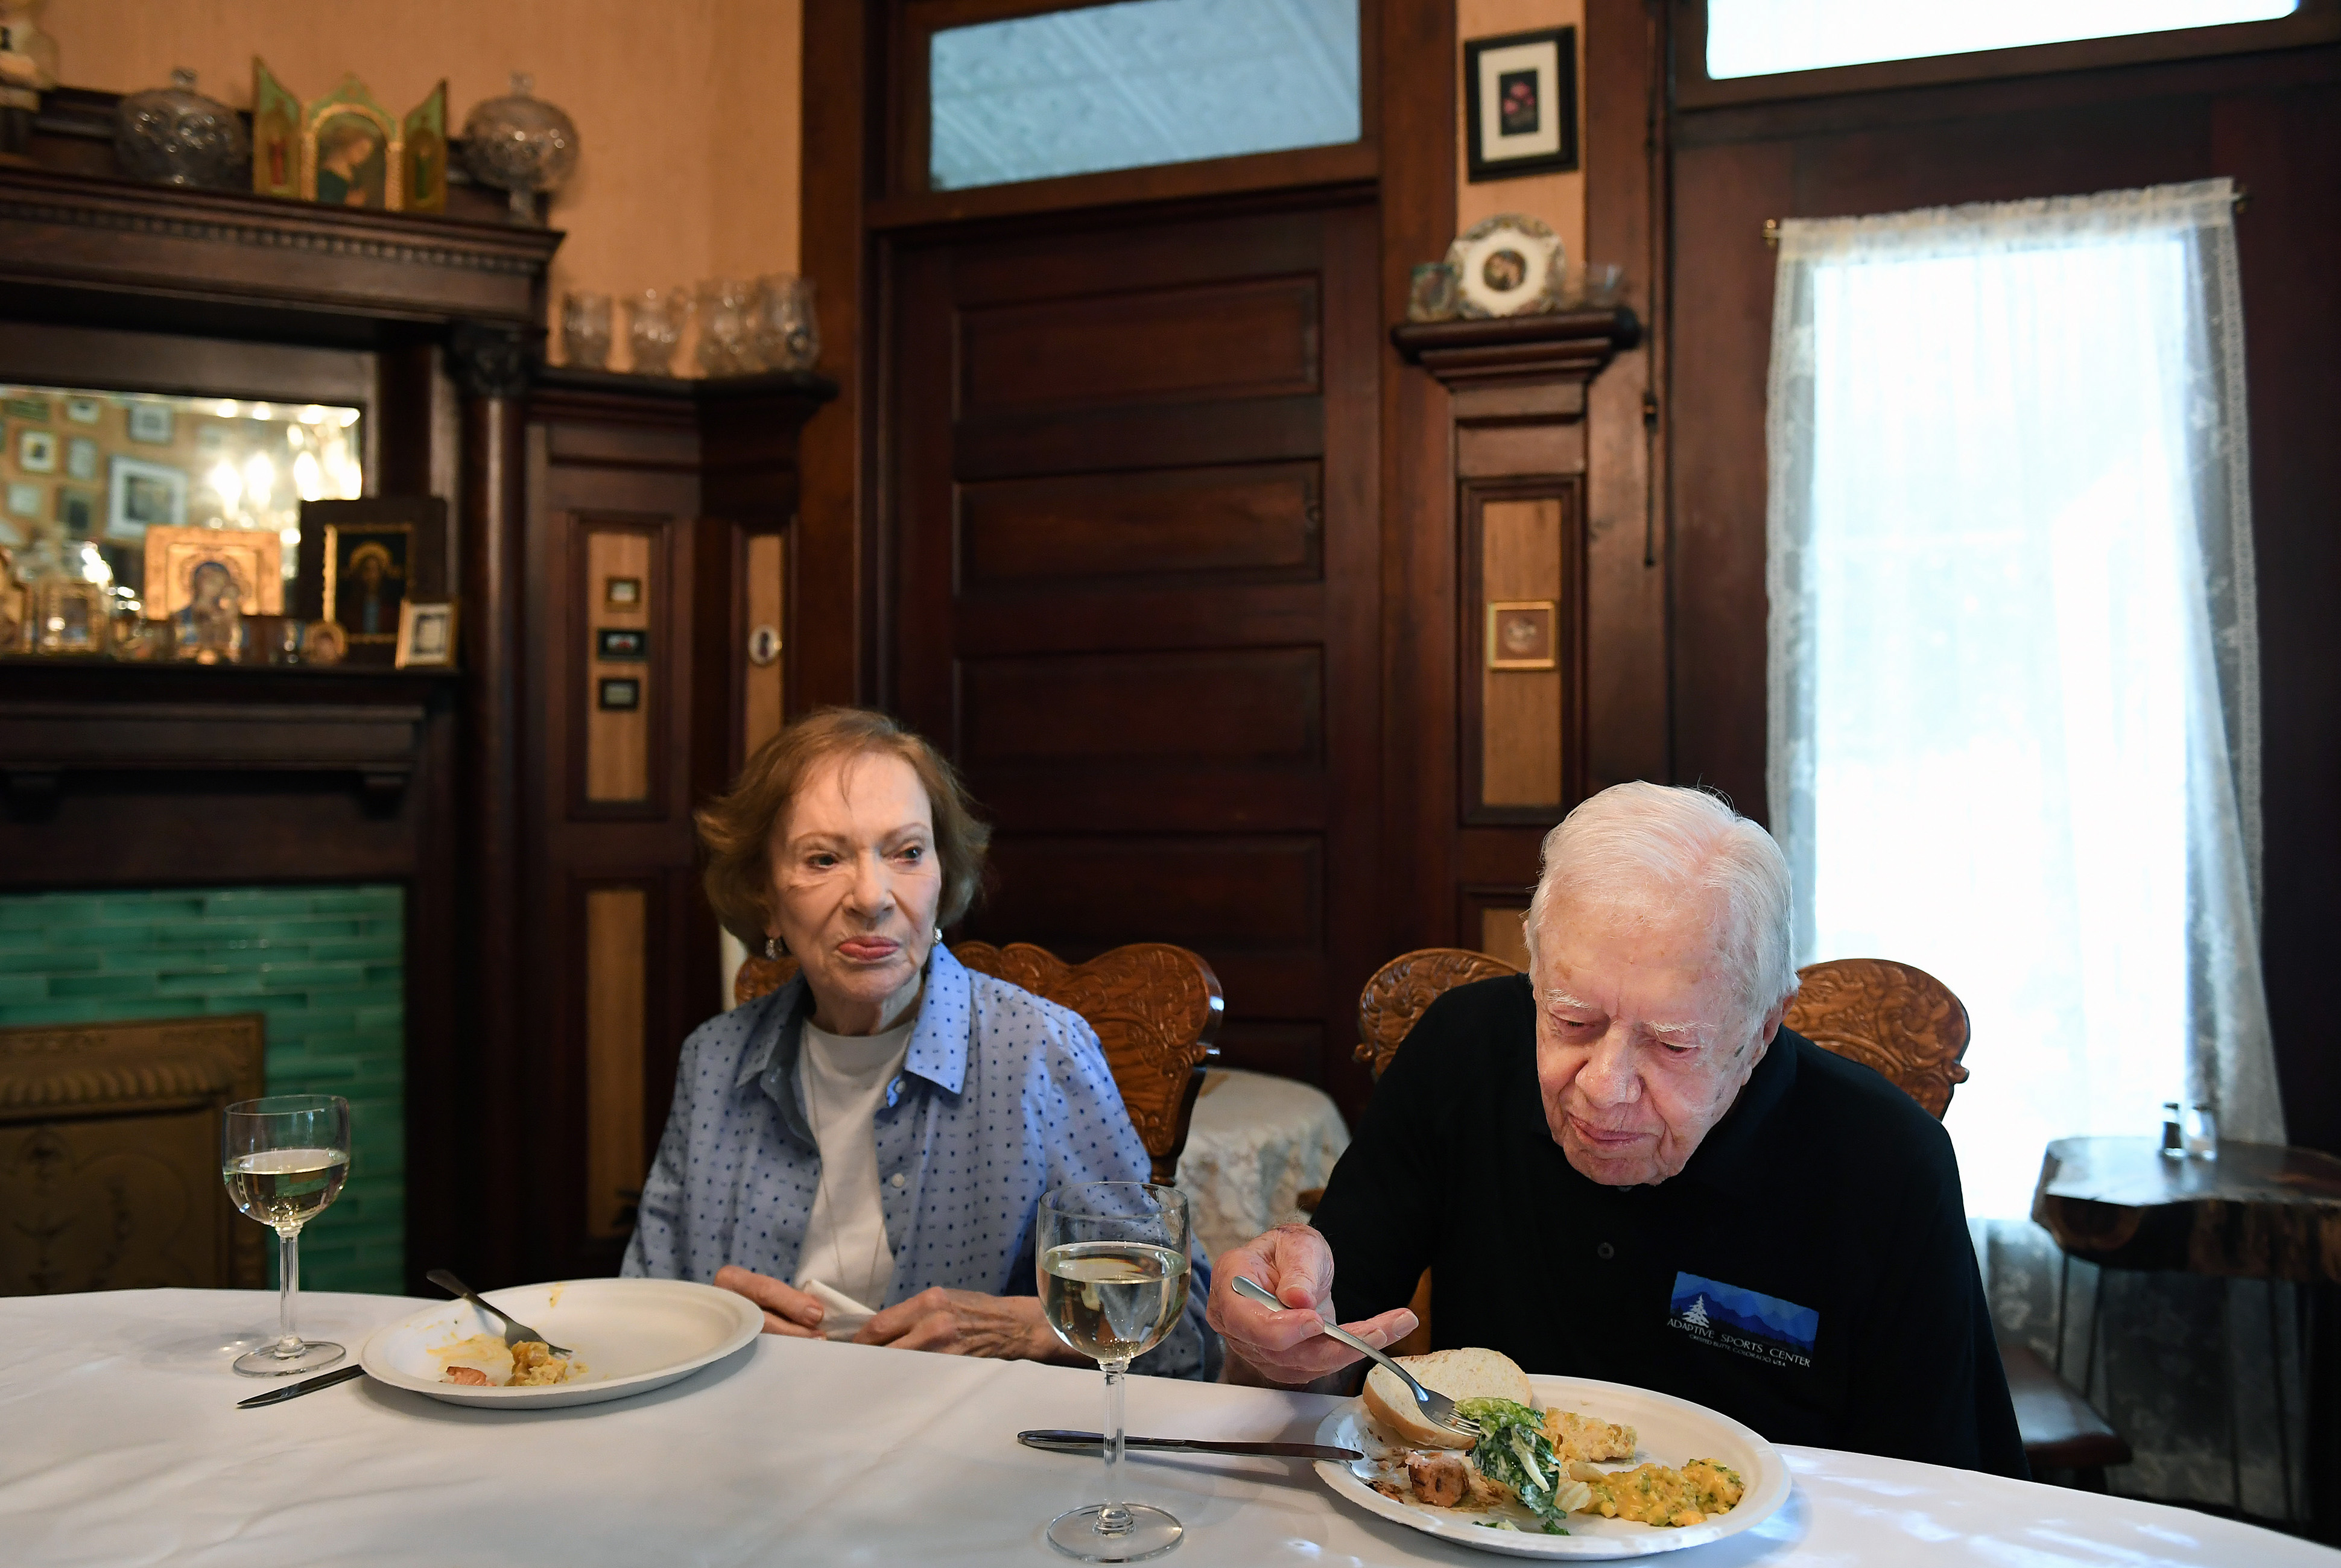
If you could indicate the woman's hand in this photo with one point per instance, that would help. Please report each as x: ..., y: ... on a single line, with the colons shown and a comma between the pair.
x: 787, y: 1309
x: 967, y: 1322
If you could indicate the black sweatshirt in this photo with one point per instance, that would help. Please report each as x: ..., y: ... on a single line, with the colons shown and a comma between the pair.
x: 1809, y: 1273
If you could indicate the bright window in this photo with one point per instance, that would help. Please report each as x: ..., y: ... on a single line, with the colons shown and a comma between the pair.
x: 1142, y: 82
x: 2014, y: 662
x: 1763, y: 37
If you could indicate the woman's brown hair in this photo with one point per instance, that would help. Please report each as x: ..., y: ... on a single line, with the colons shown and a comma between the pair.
x: 736, y: 828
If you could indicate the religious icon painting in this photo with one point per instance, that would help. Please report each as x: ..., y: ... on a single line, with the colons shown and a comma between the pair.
x: 425, y: 186
x: 203, y: 569
x: 276, y: 135
x: 1520, y: 93
x: 367, y: 569
x: 37, y: 452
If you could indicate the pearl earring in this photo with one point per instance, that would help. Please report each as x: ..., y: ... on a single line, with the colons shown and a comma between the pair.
x: 772, y: 946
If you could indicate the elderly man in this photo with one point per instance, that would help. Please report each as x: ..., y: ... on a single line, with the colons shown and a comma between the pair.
x: 1620, y: 1166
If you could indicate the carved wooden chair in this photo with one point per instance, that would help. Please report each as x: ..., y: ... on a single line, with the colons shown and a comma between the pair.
x: 1154, y: 1007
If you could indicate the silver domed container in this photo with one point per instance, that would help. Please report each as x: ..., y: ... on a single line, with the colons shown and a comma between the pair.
x: 174, y: 136
x: 520, y: 143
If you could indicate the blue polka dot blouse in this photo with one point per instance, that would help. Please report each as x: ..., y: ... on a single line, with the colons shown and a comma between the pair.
x: 1002, y: 1096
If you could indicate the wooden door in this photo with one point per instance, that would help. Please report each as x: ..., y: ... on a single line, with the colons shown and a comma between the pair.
x: 1134, y: 592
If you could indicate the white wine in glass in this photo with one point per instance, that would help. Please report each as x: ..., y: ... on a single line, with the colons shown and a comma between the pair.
x: 1113, y: 1281
x: 285, y: 1159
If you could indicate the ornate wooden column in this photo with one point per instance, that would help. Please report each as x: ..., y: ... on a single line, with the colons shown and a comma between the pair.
x: 491, y: 364
x: 1507, y: 645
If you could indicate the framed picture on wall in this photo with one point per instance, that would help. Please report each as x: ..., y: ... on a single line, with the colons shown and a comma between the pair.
x: 1519, y: 96
x: 143, y: 495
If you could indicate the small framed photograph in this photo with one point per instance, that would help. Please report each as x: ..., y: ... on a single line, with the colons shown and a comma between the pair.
x: 32, y: 407
x: 621, y: 644
x: 37, y: 452
x: 1520, y: 93
x: 620, y: 694
x: 23, y: 500
x: 81, y: 457
x: 82, y: 410
x: 426, y: 634
x: 622, y: 592
x: 77, y: 512
x: 151, y: 422
x: 211, y: 438
x: 143, y: 495
x: 1522, y: 634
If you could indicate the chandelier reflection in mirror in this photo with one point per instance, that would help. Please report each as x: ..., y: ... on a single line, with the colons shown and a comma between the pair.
x: 89, y: 468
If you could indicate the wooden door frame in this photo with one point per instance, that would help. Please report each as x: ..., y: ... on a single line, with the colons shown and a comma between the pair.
x: 850, y: 221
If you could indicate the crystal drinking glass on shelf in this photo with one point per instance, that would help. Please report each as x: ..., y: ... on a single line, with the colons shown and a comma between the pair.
x: 726, y: 346
x: 283, y: 1159
x: 585, y: 329
x: 655, y: 323
x: 788, y: 337
x: 1113, y: 1281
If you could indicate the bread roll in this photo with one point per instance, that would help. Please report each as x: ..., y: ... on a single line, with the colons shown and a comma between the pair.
x: 1457, y: 1374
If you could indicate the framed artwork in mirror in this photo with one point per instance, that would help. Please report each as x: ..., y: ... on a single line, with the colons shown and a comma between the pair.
x: 141, y: 495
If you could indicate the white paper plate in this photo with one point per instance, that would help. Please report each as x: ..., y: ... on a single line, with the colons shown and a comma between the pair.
x: 1670, y: 1431
x: 631, y: 1334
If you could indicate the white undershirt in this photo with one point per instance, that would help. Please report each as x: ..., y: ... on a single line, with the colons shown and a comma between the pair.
x: 843, y: 1079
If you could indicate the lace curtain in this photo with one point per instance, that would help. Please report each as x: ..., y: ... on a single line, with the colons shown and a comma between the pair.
x: 2015, y: 721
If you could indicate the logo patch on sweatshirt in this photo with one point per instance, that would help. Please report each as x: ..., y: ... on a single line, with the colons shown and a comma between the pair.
x: 1760, y: 1328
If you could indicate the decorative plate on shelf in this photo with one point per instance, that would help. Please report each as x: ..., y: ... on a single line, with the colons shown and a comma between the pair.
x: 1669, y: 1430
x: 1507, y: 265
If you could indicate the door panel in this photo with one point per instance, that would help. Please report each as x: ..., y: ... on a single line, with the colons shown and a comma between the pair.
x: 1136, y: 588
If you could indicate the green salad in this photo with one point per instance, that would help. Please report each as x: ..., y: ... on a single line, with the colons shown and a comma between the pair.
x: 1513, y: 1449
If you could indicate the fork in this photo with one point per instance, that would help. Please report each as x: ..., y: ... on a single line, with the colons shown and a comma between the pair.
x: 1436, y: 1407
x: 515, y: 1331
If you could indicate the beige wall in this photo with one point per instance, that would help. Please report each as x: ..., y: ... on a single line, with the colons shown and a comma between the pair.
x: 1557, y: 199
x: 687, y: 112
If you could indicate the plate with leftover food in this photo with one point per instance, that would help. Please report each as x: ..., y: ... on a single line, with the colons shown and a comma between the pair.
x: 625, y: 1336
x: 1563, y: 1467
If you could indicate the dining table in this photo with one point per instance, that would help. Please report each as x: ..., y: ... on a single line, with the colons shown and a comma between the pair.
x: 121, y: 1443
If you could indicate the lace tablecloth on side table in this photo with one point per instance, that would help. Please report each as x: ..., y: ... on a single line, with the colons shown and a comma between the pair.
x: 1257, y: 1143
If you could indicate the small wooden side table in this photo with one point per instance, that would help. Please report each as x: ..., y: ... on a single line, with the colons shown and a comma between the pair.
x: 2259, y: 1211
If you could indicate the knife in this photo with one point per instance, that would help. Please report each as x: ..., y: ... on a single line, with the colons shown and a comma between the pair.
x: 1094, y: 1442
x: 306, y: 1385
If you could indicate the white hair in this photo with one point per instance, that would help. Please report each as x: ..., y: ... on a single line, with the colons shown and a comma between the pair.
x: 1637, y: 840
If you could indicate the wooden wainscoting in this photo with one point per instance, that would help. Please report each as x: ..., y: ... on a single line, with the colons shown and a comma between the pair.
x: 110, y: 1155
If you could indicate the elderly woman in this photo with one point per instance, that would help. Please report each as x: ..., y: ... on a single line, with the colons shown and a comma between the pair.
x: 862, y: 1153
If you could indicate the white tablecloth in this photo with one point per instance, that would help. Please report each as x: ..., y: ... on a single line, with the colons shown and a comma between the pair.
x: 1256, y: 1144
x: 119, y: 1444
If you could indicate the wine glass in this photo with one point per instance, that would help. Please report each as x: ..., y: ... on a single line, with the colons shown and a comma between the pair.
x: 1113, y: 1281
x: 283, y: 1159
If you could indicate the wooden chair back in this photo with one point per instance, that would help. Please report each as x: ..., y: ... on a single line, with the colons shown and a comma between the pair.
x: 1402, y: 990
x: 1154, y: 1007
x: 1900, y: 1020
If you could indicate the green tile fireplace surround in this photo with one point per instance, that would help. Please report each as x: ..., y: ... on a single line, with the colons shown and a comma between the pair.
x: 325, y: 965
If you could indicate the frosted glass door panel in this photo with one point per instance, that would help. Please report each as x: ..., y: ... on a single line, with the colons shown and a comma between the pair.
x: 1763, y: 37
x: 1134, y: 84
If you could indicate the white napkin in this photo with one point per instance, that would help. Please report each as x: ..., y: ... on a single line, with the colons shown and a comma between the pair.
x: 842, y: 1315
